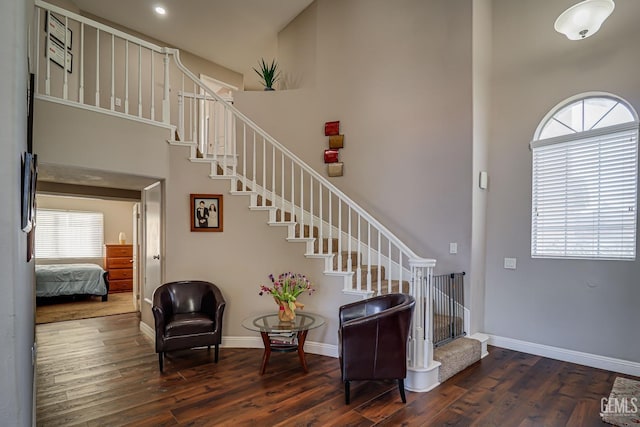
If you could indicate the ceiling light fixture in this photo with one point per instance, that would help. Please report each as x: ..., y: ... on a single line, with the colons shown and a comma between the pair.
x: 584, y: 19
x: 160, y: 10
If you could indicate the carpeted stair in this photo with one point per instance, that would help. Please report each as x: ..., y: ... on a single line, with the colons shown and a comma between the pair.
x: 340, y: 260
x: 456, y: 356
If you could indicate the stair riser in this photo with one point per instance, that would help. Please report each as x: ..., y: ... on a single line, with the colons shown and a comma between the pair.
x: 325, y: 246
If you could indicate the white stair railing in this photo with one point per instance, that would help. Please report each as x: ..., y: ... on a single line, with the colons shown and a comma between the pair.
x: 124, y: 73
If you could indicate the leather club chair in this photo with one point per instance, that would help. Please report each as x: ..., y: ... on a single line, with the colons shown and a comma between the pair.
x: 187, y: 314
x: 373, y: 336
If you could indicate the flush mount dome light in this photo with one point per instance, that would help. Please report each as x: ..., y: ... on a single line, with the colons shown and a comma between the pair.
x: 160, y: 10
x: 584, y: 19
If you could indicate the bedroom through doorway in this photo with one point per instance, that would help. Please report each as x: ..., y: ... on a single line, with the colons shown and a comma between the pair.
x: 86, y: 245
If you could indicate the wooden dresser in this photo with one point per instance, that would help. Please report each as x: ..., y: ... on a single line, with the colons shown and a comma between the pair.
x: 118, y: 262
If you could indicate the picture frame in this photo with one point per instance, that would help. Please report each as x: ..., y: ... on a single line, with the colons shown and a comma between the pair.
x: 206, y: 212
x: 57, y: 54
x: 28, y: 190
x: 55, y: 28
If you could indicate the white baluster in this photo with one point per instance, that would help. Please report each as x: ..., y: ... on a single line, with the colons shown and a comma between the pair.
x: 139, y: 80
x: 225, y: 140
x: 244, y: 156
x: 153, y: 88
x: 264, y: 172
x: 379, y: 266
x: 113, y: 72
x: 369, y: 258
x: 193, y: 114
x: 311, y: 206
x: 166, y: 107
x: 282, y: 196
x: 359, y: 255
x: 97, y: 67
x: 234, y: 145
x: 65, y: 84
x: 81, y: 89
x: 389, y: 267
x: 400, y: 270
x: 273, y: 174
x: 254, y: 161
x: 180, y: 114
x: 349, y: 258
x: 339, y: 234
x: 301, y: 202
x: 320, y: 234
x: 293, y: 191
x: 330, y: 244
x: 126, y: 76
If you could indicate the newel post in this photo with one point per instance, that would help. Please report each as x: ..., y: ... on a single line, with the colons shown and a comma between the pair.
x: 422, y: 371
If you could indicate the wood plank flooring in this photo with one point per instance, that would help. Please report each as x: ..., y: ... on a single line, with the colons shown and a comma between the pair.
x: 104, y: 372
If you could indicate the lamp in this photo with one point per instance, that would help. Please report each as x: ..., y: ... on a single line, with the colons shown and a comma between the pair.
x: 122, y: 238
x: 584, y: 19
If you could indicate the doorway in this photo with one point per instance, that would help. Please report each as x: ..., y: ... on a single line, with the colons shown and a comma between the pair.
x: 74, y: 234
x: 216, y: 130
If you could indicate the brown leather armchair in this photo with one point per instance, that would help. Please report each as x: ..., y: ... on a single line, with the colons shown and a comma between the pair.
x: 187, y: 314
x: 373, y: 338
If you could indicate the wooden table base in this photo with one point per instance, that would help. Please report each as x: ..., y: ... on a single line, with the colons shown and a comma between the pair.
x: 268, y: 348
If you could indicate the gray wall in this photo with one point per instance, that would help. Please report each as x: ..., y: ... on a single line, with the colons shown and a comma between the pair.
x: 396, y: 75
x: 588, y: 306
x: 17, y: 278
x: 86, y: 139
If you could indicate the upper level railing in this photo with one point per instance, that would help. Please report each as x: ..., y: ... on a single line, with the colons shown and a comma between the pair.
x: 111, y: 71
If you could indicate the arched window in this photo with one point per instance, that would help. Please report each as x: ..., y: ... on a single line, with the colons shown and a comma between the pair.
x: 584, y: 183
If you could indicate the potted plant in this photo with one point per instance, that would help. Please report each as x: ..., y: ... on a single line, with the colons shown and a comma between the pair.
x: 268, y: 73
x: 285, y: 291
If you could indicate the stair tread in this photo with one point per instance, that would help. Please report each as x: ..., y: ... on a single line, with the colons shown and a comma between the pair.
x: 456, y: 356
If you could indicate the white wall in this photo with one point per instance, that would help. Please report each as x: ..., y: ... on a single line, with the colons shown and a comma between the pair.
x: 587, y: 306
x: 398, y: 77
x: 17, y: 278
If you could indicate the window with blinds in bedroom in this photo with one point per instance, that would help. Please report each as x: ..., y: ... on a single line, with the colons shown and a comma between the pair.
x: 584, y: 180
x: 69, y: 234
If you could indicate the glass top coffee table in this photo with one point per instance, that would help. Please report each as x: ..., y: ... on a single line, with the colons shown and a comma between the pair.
x: 283, y: 336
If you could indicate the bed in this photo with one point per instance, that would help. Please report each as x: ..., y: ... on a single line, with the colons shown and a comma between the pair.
x: 56, y: 280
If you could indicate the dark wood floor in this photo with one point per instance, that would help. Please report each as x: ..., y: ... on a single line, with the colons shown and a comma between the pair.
x: 104, y: 372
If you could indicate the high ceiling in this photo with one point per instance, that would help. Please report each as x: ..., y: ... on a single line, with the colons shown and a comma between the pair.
x: 232, y: 33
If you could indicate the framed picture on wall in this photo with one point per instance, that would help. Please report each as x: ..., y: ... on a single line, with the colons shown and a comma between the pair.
x: 206, y: 212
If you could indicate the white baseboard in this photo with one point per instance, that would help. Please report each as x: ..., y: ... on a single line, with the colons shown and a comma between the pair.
x: 483, y: 338
x: 593, y: 360
x: 310, y: 347
x: 148, y: 331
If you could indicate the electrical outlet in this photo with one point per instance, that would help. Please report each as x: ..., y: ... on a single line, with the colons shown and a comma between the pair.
x: 118, y: 102
x: 453, y: 248
x: 510, y: 263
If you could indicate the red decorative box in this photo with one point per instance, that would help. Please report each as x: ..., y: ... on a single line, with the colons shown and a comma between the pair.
x: 330, y: 156
x: 331, y: 128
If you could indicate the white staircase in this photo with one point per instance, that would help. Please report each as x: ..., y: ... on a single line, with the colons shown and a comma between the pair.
x: 351, y: 243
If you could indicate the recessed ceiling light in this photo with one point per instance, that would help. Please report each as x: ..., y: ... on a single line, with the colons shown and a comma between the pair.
x: 160, y: 10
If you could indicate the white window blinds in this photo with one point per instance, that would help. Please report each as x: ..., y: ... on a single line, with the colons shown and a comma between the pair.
x: 69, y: 234
x: 584, y: 194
